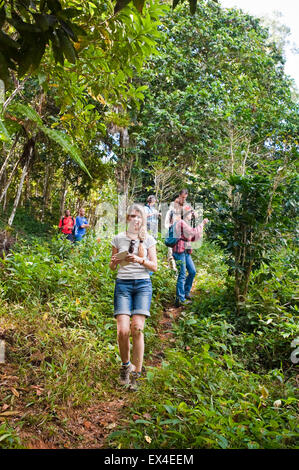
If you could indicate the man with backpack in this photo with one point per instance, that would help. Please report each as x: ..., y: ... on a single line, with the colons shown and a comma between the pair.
x: 67, y: 226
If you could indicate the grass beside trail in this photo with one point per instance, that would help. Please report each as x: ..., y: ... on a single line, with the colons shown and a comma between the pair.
x: 221, y: 384
x: 225, y: 381
x: 62, y: 364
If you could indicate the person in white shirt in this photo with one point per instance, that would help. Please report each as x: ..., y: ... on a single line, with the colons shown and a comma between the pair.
x: 169, y: 220
x: 133, y: 290
x: 152, y: 216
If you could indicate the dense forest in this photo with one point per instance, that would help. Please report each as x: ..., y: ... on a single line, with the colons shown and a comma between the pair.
x: 103, y: 101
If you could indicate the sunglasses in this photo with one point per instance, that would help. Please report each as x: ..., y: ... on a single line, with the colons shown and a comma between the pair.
x: 131, y: 246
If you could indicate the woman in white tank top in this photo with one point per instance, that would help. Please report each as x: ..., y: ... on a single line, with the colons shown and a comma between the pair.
x: 133, y: 290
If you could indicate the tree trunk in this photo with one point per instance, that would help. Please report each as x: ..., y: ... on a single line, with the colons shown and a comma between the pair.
x: 78, y: 205
x: 3, y: 168
x: 64, y: 190
x: 28, y: 154
x: 47, y: 188
x: 4, y: 182
x: 4, y: 192
x: 27, y: 192
x: 237, y: 292
x: 124, y: 168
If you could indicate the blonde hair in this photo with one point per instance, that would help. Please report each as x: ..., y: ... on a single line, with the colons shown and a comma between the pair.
x: 142, y: 231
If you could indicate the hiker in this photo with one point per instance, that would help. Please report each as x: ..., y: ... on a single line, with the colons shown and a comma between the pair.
x: 81, y: 225
x: 182, y: 201
x: 67, y: 225
x: 182, y: 251
x: 152, y: 216
x: 169, y: 220
x: 133, y: 290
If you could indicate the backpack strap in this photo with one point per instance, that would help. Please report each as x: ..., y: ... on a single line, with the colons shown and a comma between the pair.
x: 171, y: 216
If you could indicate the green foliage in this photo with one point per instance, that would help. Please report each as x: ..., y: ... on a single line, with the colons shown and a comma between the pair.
x: 220, y: 385
x: 224, y: 382
x: 248, y: 224
x: 8, y: 437
x: 57, y: 308
x: 60, y: 138
x: 4, y: 135
x: 262, y: 331
x: 31, y: 27
x: 68, y: 277
x: 28, y: 226
x: 198, y: 400
x: 64, y: 107
x: 208, y: 106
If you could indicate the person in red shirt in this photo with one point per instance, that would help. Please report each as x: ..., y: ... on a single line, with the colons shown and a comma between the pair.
x: 66, y: 225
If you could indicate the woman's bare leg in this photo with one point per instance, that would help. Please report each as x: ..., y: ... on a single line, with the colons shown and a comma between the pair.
x: 137, y: 327
x: 123, y: 336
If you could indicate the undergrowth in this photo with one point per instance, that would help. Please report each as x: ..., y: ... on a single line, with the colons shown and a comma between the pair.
x: 226, y: 381
x: 57, y: 320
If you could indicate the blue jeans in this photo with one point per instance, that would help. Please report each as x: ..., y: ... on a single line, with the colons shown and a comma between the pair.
x: 132, y: 296
x: 184, y: 284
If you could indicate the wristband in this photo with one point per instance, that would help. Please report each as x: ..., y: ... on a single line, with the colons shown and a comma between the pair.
x: 143, y: 261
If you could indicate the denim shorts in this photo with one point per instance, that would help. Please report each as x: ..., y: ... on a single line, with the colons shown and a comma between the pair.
x: 132, y: 297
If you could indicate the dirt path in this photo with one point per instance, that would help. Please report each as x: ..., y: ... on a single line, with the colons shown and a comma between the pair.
x: 69, y: 427
x: 106, y: 417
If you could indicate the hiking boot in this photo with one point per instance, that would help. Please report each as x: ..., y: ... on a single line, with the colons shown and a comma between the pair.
x: 172, y: 264
x: 124, y: 378
x: 134, y: 381
x: 179, y: 303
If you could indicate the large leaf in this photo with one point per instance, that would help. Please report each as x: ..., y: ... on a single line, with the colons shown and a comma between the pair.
x: 192, y: 6
x: 4, y: 135
x: 67, y: 47
x: 44, y: 21
x: 120, y: 4
x: 6, y: 40
x: 26, y: 111
x: 59, y: 137
x: 139, y: 4
x: 68, y: 146
x: 175, y: 3
x: 2, y: 17
x: 54, y: 5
